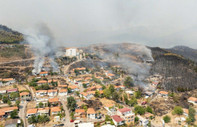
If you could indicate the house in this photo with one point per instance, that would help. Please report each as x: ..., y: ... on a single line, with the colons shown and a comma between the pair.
x: 55, y: 110
x: 44, y: 73
x: 42, y: 82
x: 43, y: 100
x: 86, y: 125
x: 71, y: 52
x: 118, y: 121
x: 43, y: 111
x: 7, y: 81
x: 143, y: 121
x: 52, y: 93
x: 41, y: 92
x: 127, y: 115
x: 87, y: 95
x: 54, y: 101
x: 185, y: 112
x: 31, y: 112
x: 110, y: 108
x: 91, y: 114
x: 52, y: 81
x: 73, y: 88
x: 3, y: 92
x: 192, y: 100
x: 63, y: 92
x: 5, y: 112
x: 163, y: 93
x: 12, y: 90
x: 108, y: 125
x: 99, y: 87
x: 12, y: 122
x: 25, y: 96
x: 80, y: 113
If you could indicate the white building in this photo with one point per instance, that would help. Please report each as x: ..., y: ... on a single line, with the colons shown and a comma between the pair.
x: 71, y: 52
x: 91, y: 114
x: 86, y: 125
x: 143, y: 121
x: 118, y: 121
x: 63, y: 92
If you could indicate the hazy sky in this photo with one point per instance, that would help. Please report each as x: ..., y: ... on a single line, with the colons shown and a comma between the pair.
x: 162, y: 23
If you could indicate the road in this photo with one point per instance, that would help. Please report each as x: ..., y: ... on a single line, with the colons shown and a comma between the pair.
x: 22, y: 112
x: 67, y: 122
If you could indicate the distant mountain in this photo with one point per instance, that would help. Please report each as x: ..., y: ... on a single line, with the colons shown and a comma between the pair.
x: 185, y: 51
x: 8, y: 36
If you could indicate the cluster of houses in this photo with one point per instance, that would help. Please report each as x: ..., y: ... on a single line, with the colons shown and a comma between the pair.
x: 7, y: 81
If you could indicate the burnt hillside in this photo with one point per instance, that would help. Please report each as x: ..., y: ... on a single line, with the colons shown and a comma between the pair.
x: 185, y: 51
x: 178, y: 72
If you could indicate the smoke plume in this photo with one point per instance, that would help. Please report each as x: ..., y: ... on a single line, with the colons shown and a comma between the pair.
x: 43, y: 45
x: 131, y: 57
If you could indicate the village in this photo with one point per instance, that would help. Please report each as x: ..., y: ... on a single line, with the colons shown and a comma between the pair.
x: 80, y: 96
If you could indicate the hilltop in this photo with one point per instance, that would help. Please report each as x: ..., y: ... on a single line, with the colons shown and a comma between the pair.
x: 9, y: 36
x: 185, y: 51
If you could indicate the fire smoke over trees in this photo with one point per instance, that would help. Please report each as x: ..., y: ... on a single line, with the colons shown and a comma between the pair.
x: 43, y: 45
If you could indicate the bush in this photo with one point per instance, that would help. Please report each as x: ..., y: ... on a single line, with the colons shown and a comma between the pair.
x: 178, y: 110
x: 166, y: 119
x: 149, y: 109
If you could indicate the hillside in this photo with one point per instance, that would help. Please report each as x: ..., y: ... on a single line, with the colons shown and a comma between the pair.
x: 185, y: 51
x: 8, y: 36
x: 178, y: 72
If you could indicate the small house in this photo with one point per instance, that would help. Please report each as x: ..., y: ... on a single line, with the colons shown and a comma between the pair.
x: 91, y: 114
x: 55, y: 110
x: 118, y: 121
x: 52, y: 93
x: 63, y: 92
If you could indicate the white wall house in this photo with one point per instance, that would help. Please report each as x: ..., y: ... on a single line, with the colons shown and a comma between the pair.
x: 118, y: 121
x: 52, y: 93
x: 63, y: 92
x: 71, y: 52
x: 91, y: 114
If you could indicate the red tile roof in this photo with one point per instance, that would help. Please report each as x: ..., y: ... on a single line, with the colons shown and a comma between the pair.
x: 123, y: 110
x: 117, y: 118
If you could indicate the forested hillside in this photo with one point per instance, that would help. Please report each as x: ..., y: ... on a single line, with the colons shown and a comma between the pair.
x: 8, y: 36
x: 179, y: 73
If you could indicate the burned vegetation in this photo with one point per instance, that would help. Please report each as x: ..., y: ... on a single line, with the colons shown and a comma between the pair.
x: 178, y: 73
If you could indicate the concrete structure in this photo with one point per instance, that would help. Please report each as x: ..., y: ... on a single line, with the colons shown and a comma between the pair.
x: 91, y: 114
x: 127, y: 115
x: 71, y: 52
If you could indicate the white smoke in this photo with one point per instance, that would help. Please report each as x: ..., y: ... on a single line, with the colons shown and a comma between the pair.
x: 131, y: 57
x: 43, y: 45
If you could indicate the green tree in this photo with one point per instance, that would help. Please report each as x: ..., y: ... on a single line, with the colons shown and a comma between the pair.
x: 191, y: 115
x: 97, y: 94
x: 71, y: 103
x: 138, y: 94
x: 14, y: 114
x: 128, y: 82
x: 84, y: 85
x: 136, y: 119
x: 32, y: 119
x: 5, y: 98
x: 18, y: 103
x: 132, y: 101
x: 14, y: 95
x: 149, y: 109
x: 107, y: 93
x: 166, y: 119
x: 9, y: 103
x: 115, y: 96
x: 139, y: 110
x: 178, y: 110
x: 40, y: 105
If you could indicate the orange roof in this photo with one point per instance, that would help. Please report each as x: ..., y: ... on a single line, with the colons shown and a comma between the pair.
x: 7, y: 79
x: 2, y: 113
x: 110, y: 74
x: 54, y: 80
x: 72, y: 86
x: 91, y: 92
x: 163, y: 92
x: 109, y: 105
x: 101, y: 91
x: 32, y: 111
x: 53, y: 100
x: 44, y: 72
x: 55, y: 109
x: 42, y: 81
x: 49, y: 91
x: 185, y: 110
x: 41, y: 109
x: 8, y: 109
x: 41, y: 91
x: 63, y: 90
x: 98, y: 86
x: 79, y: 111
x: 192, y: 99
x: 88, y: 78
x: 24, y: 93
x: 84, y: 93
x: 91, y: 111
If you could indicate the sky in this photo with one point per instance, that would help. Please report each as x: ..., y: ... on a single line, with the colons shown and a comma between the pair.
x: 163, y: 23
